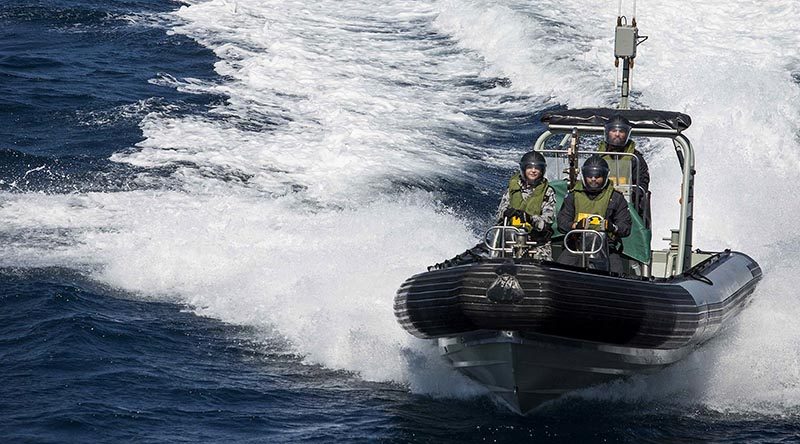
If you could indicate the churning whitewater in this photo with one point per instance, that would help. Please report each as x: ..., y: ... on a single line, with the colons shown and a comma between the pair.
x: 299, y: 204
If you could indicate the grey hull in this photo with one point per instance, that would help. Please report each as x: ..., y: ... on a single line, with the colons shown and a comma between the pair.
x: 565, y: 328
x: 524, y: 372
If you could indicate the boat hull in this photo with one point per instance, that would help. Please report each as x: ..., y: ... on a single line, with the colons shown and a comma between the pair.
x: 552, y: 329
x: 523, y: 372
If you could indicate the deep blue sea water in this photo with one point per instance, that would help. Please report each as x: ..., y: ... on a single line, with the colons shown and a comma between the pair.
x: 88, y: 364
x: 103, y: 108
x: 75, y: 86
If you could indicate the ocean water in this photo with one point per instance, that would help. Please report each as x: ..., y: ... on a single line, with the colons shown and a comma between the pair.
x: 206, y: 208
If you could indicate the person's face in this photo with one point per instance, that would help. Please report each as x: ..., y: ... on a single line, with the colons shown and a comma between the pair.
x: 617, y: 136
x: 532, y: 173
x: 595, y: 182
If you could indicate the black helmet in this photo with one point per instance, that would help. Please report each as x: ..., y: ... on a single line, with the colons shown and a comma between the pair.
x: 535, y: 159
x: 594, y: 166
x: 620, y: 123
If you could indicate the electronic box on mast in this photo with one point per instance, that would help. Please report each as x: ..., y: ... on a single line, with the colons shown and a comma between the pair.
x: 626, y: 39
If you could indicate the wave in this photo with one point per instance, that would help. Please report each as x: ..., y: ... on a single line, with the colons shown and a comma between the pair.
x: 298, y: 203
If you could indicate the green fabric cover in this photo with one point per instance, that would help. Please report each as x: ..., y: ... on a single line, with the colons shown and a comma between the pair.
x: 636, y: 246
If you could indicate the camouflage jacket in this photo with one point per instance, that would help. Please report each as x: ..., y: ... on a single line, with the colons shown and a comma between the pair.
x: 546, y: 219
x: 548, y: 206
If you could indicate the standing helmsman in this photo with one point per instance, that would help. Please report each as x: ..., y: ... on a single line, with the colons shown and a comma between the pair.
x: 627, y: 172
x: 530, y: 198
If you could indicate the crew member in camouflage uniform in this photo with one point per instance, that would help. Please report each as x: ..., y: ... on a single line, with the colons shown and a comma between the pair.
x: 530, y: 198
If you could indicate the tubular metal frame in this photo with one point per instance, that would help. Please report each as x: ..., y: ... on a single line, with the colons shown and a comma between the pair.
x: 685, y: 153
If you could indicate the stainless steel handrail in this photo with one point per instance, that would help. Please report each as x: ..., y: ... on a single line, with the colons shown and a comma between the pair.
x: 498, y: 233
x: 597, y: 236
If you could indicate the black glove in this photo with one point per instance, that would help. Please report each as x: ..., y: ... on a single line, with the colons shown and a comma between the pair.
x: 609, y: 227
x: 582, y: 224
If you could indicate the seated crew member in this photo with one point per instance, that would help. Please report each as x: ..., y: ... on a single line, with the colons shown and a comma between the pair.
x: 530, y: 198
x: 617, y: 140
x: 595, y: 194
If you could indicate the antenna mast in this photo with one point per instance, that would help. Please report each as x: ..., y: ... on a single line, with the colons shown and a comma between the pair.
x: 626, y: 39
